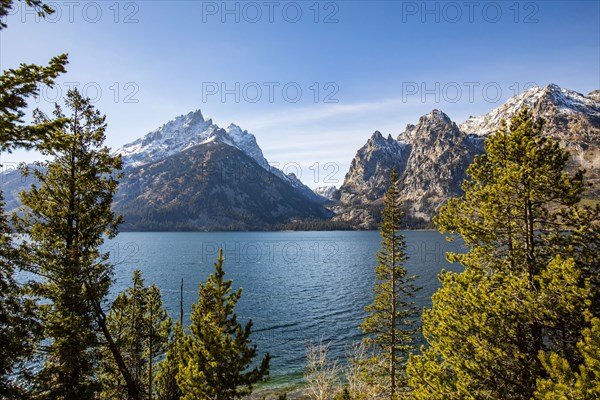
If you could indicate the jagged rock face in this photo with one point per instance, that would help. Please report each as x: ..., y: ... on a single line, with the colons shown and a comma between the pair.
x: 431, y: 158
x: 184, y: 132
x: 367, y: 178
x: 327, y: 192
x: 433, y: 155
x: 594, y: 95
x: 236, y: 187
x: 571, y: 118
x: 436, y: 166
x: 187, y: 131
x: 212, y: 186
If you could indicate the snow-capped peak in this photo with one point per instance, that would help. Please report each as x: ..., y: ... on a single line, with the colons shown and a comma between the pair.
x: 186, y: 131
x: 563, y: 100
x: 247, y: 143
x: 191, y: 130
x: 326, y: 191
x: 234, y: 129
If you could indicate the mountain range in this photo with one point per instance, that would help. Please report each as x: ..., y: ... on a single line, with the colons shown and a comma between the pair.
x: 432, y: 155
x: 190, y: 174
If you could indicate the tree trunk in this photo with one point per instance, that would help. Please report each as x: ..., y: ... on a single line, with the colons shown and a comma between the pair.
x: 181, y: 303
x: 132, y: 389
x: 393, y: 319
x: 150, y: 360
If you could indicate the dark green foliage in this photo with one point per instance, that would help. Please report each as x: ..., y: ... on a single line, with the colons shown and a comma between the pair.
x: 140, y: 328
x: 19, y: 84
x: 38, y: 5
x: 67, y: 218
x: 166, y: 378
x: 19, y: 327
x: 517, y: 299
x: 389, y: 326
x: 343, y: 395
x: 314, y: 225
x: 217, y: 354
x: 16, y: 85
x: 582, y: 243
x: 565, y: 382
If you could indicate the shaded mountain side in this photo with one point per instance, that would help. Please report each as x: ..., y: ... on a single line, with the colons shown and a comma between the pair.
x: 189, y: 130
x: 209, y: 187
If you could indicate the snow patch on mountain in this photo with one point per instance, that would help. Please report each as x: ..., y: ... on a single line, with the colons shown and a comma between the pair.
x: 247, y: 143
x: 565, y: 101
x: 325, y: 191
x: 186, y: 131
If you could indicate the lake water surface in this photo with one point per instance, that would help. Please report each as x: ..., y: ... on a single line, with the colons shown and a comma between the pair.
x: 298, y: 286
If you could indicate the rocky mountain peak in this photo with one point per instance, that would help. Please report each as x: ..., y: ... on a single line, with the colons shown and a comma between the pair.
x: 376, y: 136
x: 594, y: 95
x: 566, y: 101
x: 435, y: 115
x: 369, y: 173
x: 193, y: 117
x: 191, y: 130
x: 184, y: 132
x: 572, y: 119
x: 547, y: 102
x: 377, y: 140
x: 435, y: 119
x: 432, y: 156
x: 431, y: 128
x: 184, y: 124
x: 327, y: 192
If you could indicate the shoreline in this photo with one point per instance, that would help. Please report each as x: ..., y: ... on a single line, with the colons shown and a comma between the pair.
x: 291, y: 393
x: 274, y: 230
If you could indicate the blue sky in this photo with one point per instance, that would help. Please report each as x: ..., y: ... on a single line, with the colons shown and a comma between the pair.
x: 312, y: 80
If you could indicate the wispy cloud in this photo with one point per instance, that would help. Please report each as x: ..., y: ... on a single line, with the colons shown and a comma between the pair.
x: 322, y: 112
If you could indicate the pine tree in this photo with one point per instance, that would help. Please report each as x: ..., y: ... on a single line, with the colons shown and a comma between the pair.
x: 582, y: 243
x: 140, y: 327
x: 18, y: 325
x: 66, y: 219
x: 217, y: 354
x: 344, y: 395
x: 515, y: 299
x: 580, y: 384
x: 166, y: 377
x: 19, y: 84
x: 159, y: 329
x: 389, y: 325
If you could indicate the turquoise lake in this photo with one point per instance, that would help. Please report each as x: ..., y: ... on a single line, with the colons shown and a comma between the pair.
x: 297, y: 286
